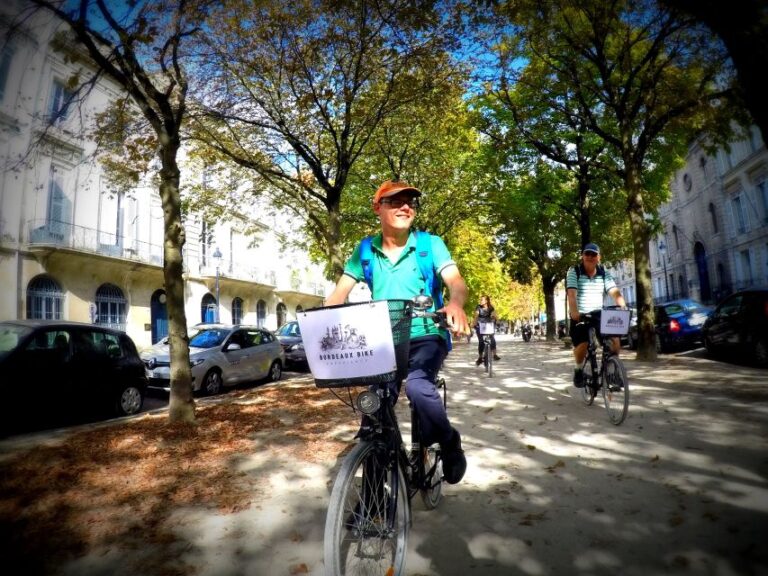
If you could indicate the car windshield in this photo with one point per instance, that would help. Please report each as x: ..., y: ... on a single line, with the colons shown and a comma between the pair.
x: 690, y: 307
x: 291, y: 329
x: 10, y: 336
x: 209, y: 338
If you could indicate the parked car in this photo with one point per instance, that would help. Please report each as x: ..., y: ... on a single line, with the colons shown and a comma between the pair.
x: 161, y: 346
x: 678, y: 324
x: 52, y: 368
x: 739, y: 324
x: 626, y: 338
x: 221, y: 356
x: 289, y: 335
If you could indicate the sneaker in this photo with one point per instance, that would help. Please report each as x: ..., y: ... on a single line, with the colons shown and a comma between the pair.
x: 578, y: 378
x: 454, y: 462
x: 479, y: 361
x: 495, y: 357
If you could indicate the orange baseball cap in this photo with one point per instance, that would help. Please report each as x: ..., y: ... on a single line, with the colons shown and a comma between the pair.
x: 392, y: 187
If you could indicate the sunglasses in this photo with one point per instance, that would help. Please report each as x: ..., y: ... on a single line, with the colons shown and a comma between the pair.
x: 413, y: 202
x: 590, y: 254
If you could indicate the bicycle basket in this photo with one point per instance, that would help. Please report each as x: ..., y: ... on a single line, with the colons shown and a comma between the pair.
x: 614, y: 322
x: 486, y: 327
x: 357, y: 344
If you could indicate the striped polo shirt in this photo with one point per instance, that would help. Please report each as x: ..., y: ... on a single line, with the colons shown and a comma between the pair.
x: 590, y: 291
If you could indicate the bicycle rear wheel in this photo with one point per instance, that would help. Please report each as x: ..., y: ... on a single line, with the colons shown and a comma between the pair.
x: 442, y: 389
x: 615, y: 390
x: 432, y: 490
x: 587, y: 391
x: 366, y: 529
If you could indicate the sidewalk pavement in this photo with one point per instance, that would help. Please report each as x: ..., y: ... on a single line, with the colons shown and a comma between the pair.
x: 551, y: 487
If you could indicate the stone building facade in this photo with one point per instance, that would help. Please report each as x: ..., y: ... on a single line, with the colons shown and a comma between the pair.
x: 73, y: 248
x: 715, y: 227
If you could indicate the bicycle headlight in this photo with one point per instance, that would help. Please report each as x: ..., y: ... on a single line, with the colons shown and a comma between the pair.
x: 368, y: 402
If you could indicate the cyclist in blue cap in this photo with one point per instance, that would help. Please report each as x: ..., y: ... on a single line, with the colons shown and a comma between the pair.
x: 586, y: 286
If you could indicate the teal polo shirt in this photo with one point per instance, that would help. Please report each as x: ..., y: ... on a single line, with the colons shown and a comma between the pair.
x: 401, y: 280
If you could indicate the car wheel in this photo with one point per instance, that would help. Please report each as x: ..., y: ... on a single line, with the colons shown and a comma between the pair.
x: 760, y: 352
x: 709, y: 347
x: 659, y: 345
x: 275, y: 371
x: 631, y: 341
x: 129, y: 401
x: 212, y: 382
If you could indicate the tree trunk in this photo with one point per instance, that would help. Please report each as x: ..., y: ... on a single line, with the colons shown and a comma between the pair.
x: 181, y: 403
x: 646, y: 344
x: 548, y: 284
x: 336, y: 258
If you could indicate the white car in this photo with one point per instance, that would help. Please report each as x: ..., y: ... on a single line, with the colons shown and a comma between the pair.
x: 221, y: 356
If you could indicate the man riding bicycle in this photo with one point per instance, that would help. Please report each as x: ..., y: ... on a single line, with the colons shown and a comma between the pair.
x: 396, y: 275
x: 586, y: 286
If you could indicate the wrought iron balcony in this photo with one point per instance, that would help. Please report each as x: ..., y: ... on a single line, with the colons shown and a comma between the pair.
x: 53, y: 233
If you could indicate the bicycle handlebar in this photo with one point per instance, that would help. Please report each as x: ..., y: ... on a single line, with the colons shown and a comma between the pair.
x: 439, y: 318
x: 594, y: 314
x: 421, y: 305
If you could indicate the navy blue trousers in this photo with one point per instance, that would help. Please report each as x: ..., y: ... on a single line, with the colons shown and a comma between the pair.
x: 425, y: 359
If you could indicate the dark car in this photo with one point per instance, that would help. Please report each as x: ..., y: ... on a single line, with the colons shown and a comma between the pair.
x: 678, y: 324
x: 739, y: 325
x: 51, y: 368
x: 289, y: 335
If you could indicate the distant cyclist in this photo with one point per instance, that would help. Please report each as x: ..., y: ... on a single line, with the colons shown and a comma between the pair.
x: 484, y: 312
x: 586, y: 285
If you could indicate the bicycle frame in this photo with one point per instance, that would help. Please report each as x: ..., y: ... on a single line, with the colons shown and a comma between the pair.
x: 594, y: 342
x: 386, y: 431
x: 369, y: 513
x: 606, y: 373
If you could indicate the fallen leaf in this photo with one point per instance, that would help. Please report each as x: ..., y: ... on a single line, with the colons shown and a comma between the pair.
x: 555, y: 466
x: 299, y: 569
x: 531, y: 447
x: 676, y: 520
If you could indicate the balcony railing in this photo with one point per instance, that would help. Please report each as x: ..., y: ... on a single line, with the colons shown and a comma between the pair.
x: 72, y: 236
x: 68, y: 235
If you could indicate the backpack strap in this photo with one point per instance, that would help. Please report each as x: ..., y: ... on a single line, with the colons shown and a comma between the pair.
x: 600, y: 272
x: 366, y: 258
x: 432, y: 282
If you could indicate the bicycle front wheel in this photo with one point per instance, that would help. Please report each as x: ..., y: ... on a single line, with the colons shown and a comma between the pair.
x: 489, y: 357
x: 615, y: 390
x: 366, y: 529
x: 587, y: 391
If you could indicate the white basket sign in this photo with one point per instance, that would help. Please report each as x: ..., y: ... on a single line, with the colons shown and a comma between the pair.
x: 486, y: 327
x: 348, y: 341
x: 614, y: 322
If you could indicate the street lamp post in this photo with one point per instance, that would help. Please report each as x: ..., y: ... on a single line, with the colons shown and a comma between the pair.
x: 663, y: 254
x: 217, y: 257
